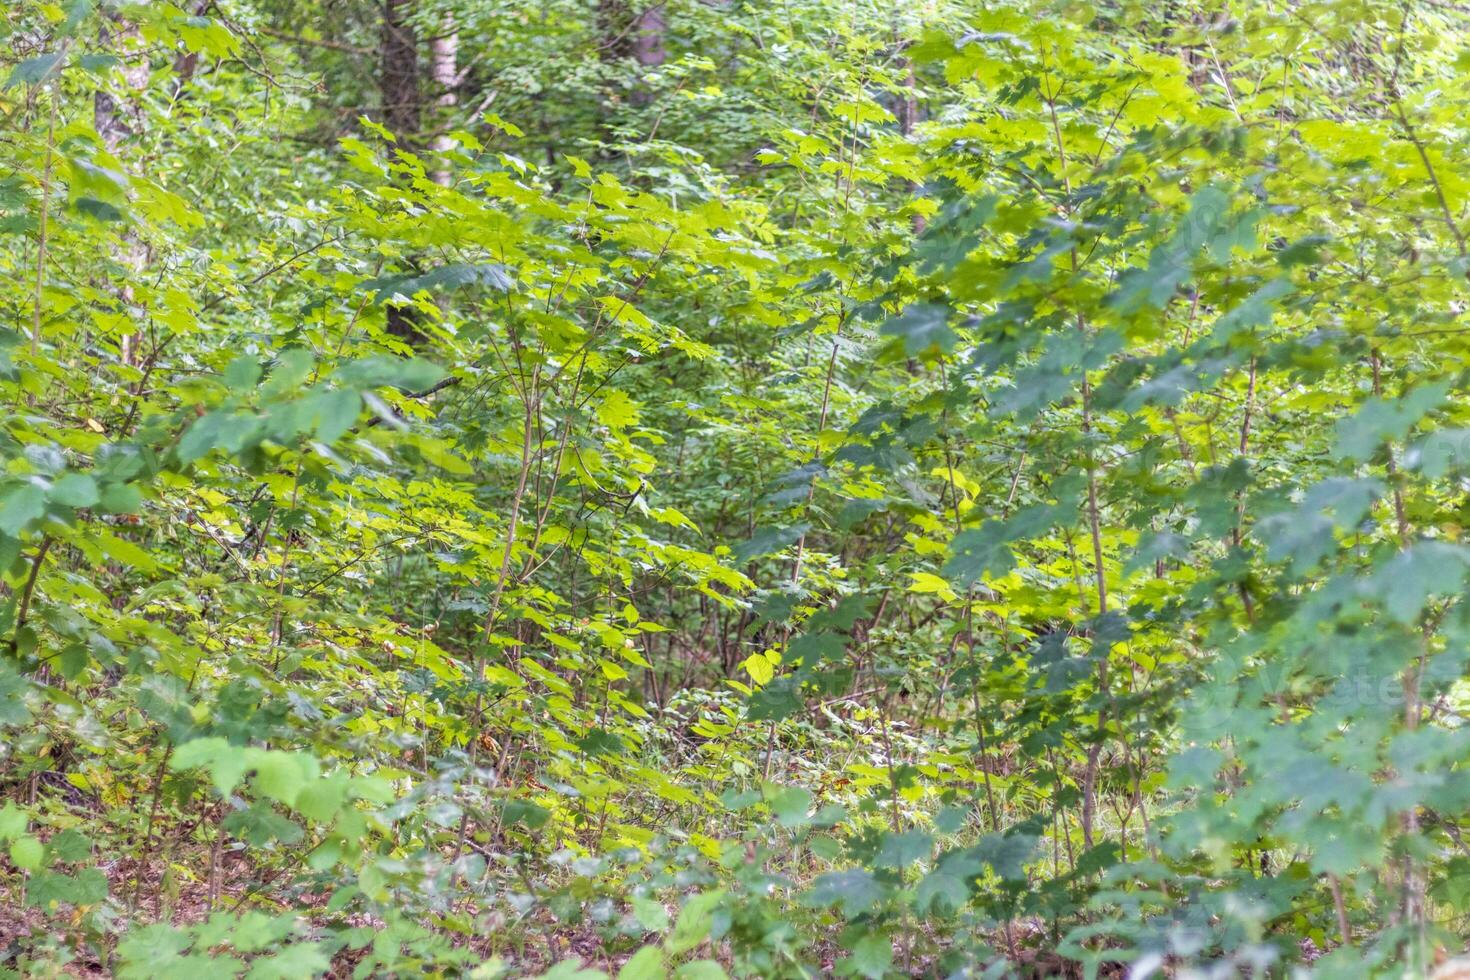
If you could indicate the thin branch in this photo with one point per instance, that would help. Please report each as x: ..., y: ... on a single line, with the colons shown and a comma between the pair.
x: 448, y: 382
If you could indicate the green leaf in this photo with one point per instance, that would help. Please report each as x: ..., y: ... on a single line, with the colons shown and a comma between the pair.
x: 1006, y: 853
x: 122, y: 550
x: 75, y: 490
x: 452, y: 276
x: 599, y: 741
x: 259, y: 825
x: 617, y: 410
x: 1419, y: 573
x: 695, y: 920
x: 854, y: 890
x: 86, y: 887
x: 768, y: 541
x: 293, y: 961
x: 1379, y: 421
x: 204, y: 435
x: 408, y: 374
x: 121, y: 498
x: 98, y: 64
x: 289, y: 371
x: 35, y: 70
x: 154, y: 944
x: 243, y: 373
x: 337, y: 412
x: 525, y: 813
x: 811, y: 649
x: 226, y: 763
x: 13, y: 822
x: 1195, y: 767
x: 898, y: 851
x: 20, y: 507
x: 1100, y: 858
x: 951, y: 819
x: 872, y: 956
x: 14, y: 711
x: 1256, y: 311
x: 70, y: 846
x: 1304, y: 535
x: 76, y: 12
x: 1441, y: 452
x: 322, y: 799
x: 571, y: 969
x: 777, y: 701
x: 646, y: 964
x: 651, y: 915
x: 27, y: 853
x: 1454, y: 888
x: 947, y: 888
x: 280, y: 775
x: 791, y: 805
x: 1205, y: 227
x: 737, y: 800
x: 922, y: 327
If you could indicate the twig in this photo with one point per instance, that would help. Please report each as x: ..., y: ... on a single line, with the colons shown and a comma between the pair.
x: 448, y: 382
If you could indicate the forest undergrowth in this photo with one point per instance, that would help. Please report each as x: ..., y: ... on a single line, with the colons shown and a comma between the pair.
x: 704, y: 488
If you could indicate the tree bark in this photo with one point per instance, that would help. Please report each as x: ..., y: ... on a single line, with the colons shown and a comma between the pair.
x: 612, y: 30
x: 117, y: 120
x: 444, y: 71
x: 908, y: 118
x: 648, y: 46
x: 398, y: 85
x: 398, y: 78
x: 648, y: 36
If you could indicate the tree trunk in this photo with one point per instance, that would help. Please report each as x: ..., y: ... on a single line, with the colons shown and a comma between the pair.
x: 444, y: 71
x: 648, y: 46
x: 648, y: 36
x: 398, y: 84
x: 117, y: 120
x: 398, y: 78
x: 612, y: 29
x: 612, y: 47
x: 908, y: 117
x: 186, y: 63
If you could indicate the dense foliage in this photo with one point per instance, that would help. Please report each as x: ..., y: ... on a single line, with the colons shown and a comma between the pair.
x: 719, y: 488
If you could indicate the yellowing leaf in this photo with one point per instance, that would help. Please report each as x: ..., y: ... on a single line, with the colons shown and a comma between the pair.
x: 760, y: 668
x: 926, y: 583
x: 617, y: 410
